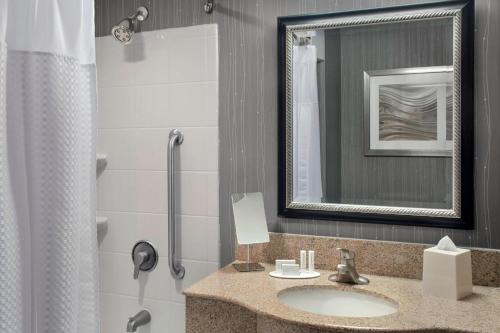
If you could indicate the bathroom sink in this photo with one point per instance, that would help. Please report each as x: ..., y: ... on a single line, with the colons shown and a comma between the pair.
x: 334, y: 302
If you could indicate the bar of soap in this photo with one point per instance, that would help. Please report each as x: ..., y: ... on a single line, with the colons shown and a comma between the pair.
x: 290, y: 269
x: 280, y: 262
x: 447, y: 274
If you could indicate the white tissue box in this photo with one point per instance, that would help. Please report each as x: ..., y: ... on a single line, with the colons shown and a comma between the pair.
x: 447, y: 274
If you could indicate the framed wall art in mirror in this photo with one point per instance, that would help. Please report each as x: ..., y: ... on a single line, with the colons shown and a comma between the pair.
x: 376, y: 115
x: 409, y: 111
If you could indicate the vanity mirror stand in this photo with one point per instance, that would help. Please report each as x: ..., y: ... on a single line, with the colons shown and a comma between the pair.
x: 250, y: 224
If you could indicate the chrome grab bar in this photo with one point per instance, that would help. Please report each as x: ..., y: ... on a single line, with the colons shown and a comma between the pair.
x: 177, y: 270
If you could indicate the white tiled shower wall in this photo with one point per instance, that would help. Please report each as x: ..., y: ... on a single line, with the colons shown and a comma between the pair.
x: 165, y: 79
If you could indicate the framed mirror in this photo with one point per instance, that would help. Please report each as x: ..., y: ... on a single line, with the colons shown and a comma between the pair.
x: 376, y: 115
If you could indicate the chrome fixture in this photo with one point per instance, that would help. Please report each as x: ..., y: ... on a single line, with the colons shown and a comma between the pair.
x: 346, y: 270
x: 177, y: 270
x: 124, y: 30
x: 303, y: 37
x: 140, y: 319
x: 209, y: 6
x: 144, y: 257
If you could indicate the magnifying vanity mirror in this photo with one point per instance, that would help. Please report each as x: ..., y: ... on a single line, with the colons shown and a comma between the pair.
x: 376, y: 115
x: 250, y: 225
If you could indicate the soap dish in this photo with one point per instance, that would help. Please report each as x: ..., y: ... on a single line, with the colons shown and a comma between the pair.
x: 101, y: 221
x: 304, y: 274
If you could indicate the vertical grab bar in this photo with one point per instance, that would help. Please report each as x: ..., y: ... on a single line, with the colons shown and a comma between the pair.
x: 176, y: 269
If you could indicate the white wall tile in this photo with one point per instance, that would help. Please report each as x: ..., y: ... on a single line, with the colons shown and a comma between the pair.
x: 115, y: 62
x: 213, y: 245
x: 185, y: 62
x: 165, y: 79
x: 212, y: 194
x: 116, y: 106
x: 193, y: 104
x: 132, y: 191
x: 146, y: 149
x: 199, y: 238
x: 179, y: 105
x: 146, y: 191
x: 134, y: 149
x: 199, y: 235
x: 159, y: 105
x: 178, y: 318
x: 152, y: 106
x: 195, y: 271
x: 117, y: 270
x: 199, y: 151
x: 125, y: 229
x: 196, y: 190
x: 211, y: 52
x: 151, y: 58
x: 187, y: 32
x: 211, y: 30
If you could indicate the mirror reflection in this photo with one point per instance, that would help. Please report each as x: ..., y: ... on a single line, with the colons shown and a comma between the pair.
x: 373, y: 114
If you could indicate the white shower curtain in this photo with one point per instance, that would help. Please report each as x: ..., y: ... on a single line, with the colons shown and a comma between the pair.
x: 306, y: 131
x: 48, y: 250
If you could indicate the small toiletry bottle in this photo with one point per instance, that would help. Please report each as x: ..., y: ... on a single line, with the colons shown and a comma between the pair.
x: 310, y: 268
x: 303, y: 259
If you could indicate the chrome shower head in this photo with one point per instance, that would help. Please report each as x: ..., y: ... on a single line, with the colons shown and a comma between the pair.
x: 124, y: 30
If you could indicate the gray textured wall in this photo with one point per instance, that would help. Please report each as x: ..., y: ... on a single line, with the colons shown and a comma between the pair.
x: 248, y: 120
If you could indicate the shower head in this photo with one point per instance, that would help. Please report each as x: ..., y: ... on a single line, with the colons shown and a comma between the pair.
x: 124, y: 30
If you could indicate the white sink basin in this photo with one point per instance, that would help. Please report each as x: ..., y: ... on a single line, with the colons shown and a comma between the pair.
x: 333, y: 302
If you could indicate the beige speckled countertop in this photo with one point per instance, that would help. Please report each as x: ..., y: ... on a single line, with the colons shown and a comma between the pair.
x: 257, y: 292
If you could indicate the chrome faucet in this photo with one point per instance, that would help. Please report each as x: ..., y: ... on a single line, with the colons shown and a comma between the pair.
x: 346, y: 270
x: 140, y: 319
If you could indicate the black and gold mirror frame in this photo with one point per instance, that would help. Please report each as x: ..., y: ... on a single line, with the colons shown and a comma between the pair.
x: 295, y: 30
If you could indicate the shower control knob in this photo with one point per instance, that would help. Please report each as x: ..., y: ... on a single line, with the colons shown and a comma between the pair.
x: 139, y: 259
x: 144, y: 257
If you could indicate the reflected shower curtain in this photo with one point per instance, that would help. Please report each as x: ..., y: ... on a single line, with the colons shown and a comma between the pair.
x: 306, y: 131
x: 48, y: 242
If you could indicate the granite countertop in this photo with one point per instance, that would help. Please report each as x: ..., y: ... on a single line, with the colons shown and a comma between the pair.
x: 257, y: 292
